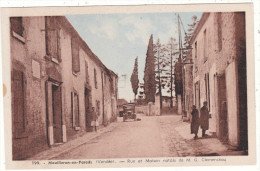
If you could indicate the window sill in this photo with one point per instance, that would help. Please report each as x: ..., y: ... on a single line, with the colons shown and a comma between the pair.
x: 17, y: 36
x: 75, y: 73
x: 77, y: 128
x: 54, y: 60
x: 21, y: 136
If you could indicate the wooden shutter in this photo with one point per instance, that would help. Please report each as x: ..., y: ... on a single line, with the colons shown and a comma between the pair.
x: 75, y: 55
x: 76, y: 109
x: 19, y: 119
x: 52, y: 38
x: 95, y: 78
x: 86, y: 72
x: 17, y: 25
x: 72, y: 109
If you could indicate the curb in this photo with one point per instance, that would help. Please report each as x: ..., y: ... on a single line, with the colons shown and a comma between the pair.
x: 56, y: 151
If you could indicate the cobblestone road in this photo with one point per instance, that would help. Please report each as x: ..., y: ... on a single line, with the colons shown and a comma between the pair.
x: 153, y: 136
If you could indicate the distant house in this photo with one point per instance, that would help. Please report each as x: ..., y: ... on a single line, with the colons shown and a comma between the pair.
x: 140, y: 91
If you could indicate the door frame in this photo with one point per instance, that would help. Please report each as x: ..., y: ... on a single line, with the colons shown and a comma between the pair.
x: 49, y: 112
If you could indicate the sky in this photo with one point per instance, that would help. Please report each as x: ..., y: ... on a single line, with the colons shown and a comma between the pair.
x: 117, y: 39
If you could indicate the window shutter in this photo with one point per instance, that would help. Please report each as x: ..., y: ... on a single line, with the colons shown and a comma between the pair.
x: 52, y: 47
x: 95, y: 78
x: 17, y: 25
x: 86, y: 72
x: 58, y: 45
x: 72, y: 109
x: 75, y: 55
x: 52, y: 38
x: 19, y: 103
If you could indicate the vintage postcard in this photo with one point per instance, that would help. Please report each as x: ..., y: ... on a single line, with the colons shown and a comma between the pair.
x: 129, y: 86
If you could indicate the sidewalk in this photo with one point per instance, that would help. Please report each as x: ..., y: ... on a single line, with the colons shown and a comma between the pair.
x: 54, y: 151
x: 212, y: 146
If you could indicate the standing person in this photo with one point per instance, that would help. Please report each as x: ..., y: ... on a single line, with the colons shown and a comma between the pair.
x: 204, y: 118
x: 94, y: 119
x: 195, y: 122
x: 97, y: 122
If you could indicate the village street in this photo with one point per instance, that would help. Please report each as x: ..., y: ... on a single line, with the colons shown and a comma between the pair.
x: 153, y: 136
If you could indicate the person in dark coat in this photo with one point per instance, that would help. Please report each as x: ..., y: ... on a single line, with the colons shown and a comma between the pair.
x: 195, y: 121
x: 204, y: 118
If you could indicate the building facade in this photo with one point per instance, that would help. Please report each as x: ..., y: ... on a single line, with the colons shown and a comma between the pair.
x: 56, y: 80
x: 219, y: 74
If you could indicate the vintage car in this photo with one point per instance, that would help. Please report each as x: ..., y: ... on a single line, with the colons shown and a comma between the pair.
x: 129, y: 112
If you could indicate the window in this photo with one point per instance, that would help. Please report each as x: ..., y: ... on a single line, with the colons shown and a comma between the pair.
x: 207, y: 88
x: 86, y: 72
x: 75, y: 110
x: 112, y: 87
x: 17, y: 25
x: 105, y: 79
x: 205, y: 46
x: 75, y: 55
x: 219, y: 23
x: 95, y: 78
x: 52, y: 39
x: 196, y: 50
x: 98, y: 107
x: 19, y: 101
x: 17, y: 28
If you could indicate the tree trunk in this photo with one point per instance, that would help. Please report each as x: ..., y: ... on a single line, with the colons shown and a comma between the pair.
x: 171, y: 78
x: 160, y: 89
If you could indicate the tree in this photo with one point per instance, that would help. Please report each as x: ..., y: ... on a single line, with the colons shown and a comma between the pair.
x: 164, y: 68
x: 160, y: 64
x: 183, y: 52
x: 149, y: 73
x: 188, y: 35
x: 134, y: 77
x: 171, y: 47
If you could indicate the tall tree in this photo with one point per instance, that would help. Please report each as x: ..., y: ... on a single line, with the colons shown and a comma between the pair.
x: 160, y: 68
x: 188, y: 34
x: 149, y: 73
x: 183, y: 51
x: 171, y: 52
x: 164, y: 69
x: 134, y: 77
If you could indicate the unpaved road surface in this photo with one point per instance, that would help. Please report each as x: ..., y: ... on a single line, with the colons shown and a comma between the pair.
x: 153, y: 136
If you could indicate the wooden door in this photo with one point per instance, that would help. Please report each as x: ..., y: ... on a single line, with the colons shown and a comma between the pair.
x: 87, y: 109
x: 222, y: 102
x: 57, y: 119
x: 18, y: 91
x: 197, y: 95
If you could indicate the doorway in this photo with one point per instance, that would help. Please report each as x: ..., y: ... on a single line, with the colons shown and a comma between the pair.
x: 55, y: 129
x: 197, y: 95
x: 87, y: 109
x: 57, y: 113
x: 222, y: 102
